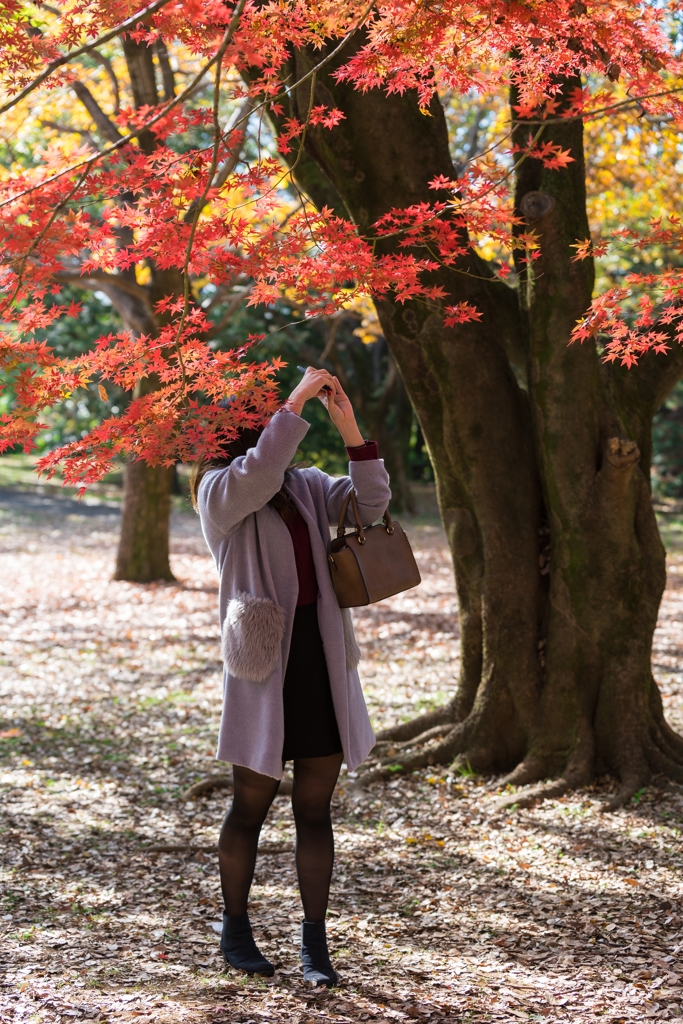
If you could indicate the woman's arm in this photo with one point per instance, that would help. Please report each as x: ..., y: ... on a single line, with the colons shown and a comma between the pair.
x: 338, y: 405
x: 370, y: 480
x: 227, y: 496
x: 366, y: 474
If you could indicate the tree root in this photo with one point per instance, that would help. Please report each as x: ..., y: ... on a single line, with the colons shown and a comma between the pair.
x: 661, y: 764
x: 627, y: 790
x: 418, y: 726
x: 528, y: 771
x: 212, y: 782
x: 546, y: 791
x: 425, y: 737
x: 434, y: 753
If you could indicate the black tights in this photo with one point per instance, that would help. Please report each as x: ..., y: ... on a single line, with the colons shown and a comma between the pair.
x: 314, y: 782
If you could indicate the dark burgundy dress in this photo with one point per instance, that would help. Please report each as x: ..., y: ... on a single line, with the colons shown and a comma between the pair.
x: 310, y: 722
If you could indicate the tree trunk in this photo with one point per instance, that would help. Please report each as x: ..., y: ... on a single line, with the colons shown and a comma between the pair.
x: 143, y: 542
x: 143, y: 551
x: 541, y: 458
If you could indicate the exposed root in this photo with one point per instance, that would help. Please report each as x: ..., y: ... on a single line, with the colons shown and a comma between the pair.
x: 661, y: 764
x: 418, y: 726
x: 672, y: 737
x: 547, y: 791
x: 212, y: 782
x: 424, y: 737
x: 434, y: 753
x: 207, y: 785
x: 673, y: 740
x: 624, y: 794
x: 528, y: 771
x: 663, y: 743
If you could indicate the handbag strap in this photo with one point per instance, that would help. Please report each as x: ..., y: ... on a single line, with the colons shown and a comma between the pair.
x: 360, y: 532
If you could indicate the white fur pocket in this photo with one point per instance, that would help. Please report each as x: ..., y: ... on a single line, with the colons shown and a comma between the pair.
x: 351, y: 648
x: 252, y: 635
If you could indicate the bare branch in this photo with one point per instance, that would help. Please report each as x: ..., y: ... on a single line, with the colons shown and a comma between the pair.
x: 59, y: 62
x: 66, y: 129
x: 109, y: 68
x: 105, y: 126
x: 129, y: 299
x: 101, y: 277
x: 233, y: 306
x: 167, y: 75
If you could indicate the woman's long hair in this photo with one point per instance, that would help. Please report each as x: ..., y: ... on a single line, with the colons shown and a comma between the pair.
x: 246, y: 438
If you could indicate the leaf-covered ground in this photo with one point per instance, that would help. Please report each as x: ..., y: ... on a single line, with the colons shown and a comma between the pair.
x: 442, y: 908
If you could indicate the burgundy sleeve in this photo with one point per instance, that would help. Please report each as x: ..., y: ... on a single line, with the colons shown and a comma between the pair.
x: 364, y: 452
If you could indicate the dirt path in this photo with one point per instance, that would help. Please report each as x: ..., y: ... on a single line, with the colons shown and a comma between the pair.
x: 442, y: 910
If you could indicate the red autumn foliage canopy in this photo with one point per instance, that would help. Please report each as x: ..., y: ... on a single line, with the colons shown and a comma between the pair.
x: 189, y: 217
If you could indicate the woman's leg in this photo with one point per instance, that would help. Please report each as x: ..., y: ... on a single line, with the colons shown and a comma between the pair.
x: 238, y: 842
x: 314, y: 782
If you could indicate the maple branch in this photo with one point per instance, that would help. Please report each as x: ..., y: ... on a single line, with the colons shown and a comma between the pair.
x: 228, y: 166
x: 592, y: 115
x: 651, y: 379
x: 90, y: 161
x: 218, y: 59
x: 86, y: 48
x: 40, y: 236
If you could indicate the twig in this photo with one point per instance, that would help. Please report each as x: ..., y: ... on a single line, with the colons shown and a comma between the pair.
x: 86, y: 48
x: 90, y: 161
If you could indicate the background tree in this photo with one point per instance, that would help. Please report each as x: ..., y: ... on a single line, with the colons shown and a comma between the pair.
x: 541, y: 449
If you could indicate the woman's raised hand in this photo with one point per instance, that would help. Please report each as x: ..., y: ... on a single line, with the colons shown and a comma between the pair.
x: 310, y: 386
x: 321, y: 384
x: 338, y: 405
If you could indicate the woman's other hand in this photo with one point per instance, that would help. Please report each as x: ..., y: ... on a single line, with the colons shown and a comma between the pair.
x: 338, y: 405
x: 310, y: 386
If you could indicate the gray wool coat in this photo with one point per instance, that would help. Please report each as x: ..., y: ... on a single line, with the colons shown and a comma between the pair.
x: 254, y: 555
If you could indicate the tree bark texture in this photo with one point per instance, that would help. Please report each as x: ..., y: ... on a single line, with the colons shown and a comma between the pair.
x: 143, y: 543
x: 541, y: 456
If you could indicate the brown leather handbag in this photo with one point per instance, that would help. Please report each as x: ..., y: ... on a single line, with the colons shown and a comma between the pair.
x: 369, y: 565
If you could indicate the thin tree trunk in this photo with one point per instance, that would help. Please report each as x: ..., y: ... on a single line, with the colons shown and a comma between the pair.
x: 143, y: 542
x: 143, y: 551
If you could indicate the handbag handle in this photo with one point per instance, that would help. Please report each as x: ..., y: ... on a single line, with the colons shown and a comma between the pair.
x: 360, y: 532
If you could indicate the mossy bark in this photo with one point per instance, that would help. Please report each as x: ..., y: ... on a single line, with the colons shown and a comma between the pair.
x: 540, y: 453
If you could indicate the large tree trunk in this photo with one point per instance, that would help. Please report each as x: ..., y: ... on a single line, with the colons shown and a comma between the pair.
x: 543, y: 485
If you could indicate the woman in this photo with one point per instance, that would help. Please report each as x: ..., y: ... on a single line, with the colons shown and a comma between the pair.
x: 291, y: 689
